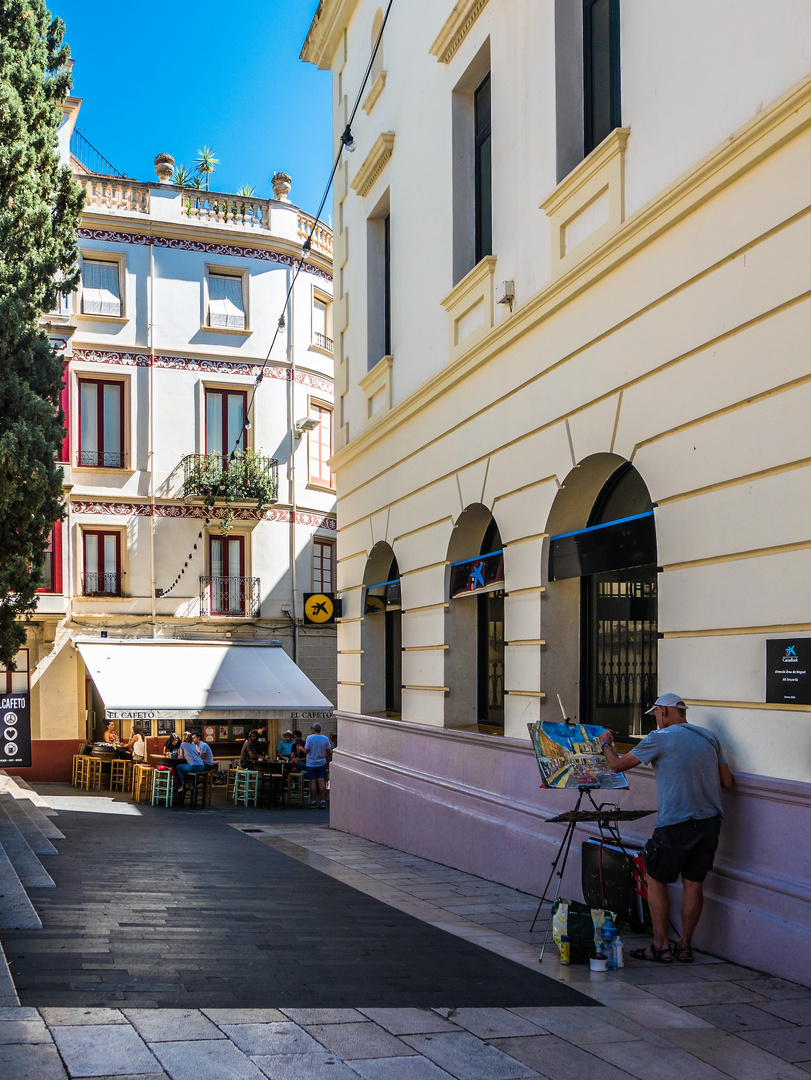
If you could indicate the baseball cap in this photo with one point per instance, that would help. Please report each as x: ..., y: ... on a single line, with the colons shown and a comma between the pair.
x: 667, y: 701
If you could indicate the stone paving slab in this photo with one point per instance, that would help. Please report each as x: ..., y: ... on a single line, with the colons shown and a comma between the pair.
x: 92, y: 1050
x: 735, y: 1056
x: 468, y: 1058
x: 411, y: 1068
x: 557, y: 1059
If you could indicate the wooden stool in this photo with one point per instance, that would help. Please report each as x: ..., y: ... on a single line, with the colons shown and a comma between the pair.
x: 120, y: 778
x: 91, y: 774
x: 162, y: 787
x: 246, y: 787
x: 195, y: 783
x: 298, y: 788
x: 272, y: 785
x: 74, y: 774
x: 142, y: 782
x: 229, y: 788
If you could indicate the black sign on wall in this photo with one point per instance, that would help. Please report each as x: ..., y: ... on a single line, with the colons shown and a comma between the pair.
x: 15, y: 731
x: 788, y: 671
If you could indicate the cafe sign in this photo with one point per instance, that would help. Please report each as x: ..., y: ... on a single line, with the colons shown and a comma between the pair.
x: 15, y: 731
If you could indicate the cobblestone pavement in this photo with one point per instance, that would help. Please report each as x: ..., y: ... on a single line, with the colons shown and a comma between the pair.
x: 707, y: 1021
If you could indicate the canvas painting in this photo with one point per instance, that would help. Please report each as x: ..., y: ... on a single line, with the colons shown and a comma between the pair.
x: 570, y: 756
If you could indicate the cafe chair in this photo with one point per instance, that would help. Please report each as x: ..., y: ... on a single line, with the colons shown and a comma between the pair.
x: 194, y: 785
x: 272, y: 784
x: 232, y: 776
x: 246, y: 787
x: 91, y: 774
x: 120, y: 779
x: 162, y: 787
x: 142, y: 782
x: 74, y: 774
x: 298, y: 788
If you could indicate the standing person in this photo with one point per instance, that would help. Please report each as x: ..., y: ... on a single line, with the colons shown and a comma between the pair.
x: 319, y: 751
x: 690, y: 771
x: 264, y: 746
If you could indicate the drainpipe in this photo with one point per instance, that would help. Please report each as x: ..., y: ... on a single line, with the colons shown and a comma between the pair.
x: 291, y: 388
x: 151, y: 446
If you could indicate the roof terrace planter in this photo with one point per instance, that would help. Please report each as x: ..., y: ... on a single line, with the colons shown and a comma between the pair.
x: 245, y: 478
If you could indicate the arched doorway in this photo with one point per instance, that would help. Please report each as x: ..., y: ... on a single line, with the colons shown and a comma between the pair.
x: 475, y: 660
x: 381, y: 635
x: 611, y: 556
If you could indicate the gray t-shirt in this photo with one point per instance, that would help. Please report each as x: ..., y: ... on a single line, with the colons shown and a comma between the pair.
x: 316, y: 747
x: 686, y: 760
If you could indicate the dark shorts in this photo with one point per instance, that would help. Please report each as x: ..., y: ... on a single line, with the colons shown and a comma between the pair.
x: 316, y: 772
x: 686, y: 849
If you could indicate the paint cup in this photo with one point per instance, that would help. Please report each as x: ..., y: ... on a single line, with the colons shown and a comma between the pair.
x: 598, y: 963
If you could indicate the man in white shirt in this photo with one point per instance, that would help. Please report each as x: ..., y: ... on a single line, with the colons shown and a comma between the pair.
x: 319, y: 752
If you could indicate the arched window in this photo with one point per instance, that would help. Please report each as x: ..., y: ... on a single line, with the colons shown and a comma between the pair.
x: 614, y: 556
x: 474, y: 663
x: 382, y: 636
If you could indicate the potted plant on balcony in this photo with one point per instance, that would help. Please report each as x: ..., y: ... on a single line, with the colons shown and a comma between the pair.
x: 245, y: 477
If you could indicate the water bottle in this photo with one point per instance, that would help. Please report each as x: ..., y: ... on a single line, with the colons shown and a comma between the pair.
x: 620, y: 962
x: 609, y: 936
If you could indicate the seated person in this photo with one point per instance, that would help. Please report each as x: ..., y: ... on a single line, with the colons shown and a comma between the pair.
x: 299, y: 755
x: 204, y: 750
x: 284, y: 749
x: 250, y: 755
x: 109, y: 735
x: 172, y: 744
x: 136, y: 744
x: 192, y: 762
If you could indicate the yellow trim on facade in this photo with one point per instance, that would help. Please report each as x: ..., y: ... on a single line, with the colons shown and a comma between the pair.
x: 525, y: 539
x: 376, y: 161
x: 378, y: 86
x: 456, y: 28
x: 423, y: 648
x: 470, y: 307
x: 735, y: 631
x: 772, y: 128
x: 527, y: 641
x: 420, y: 569
x: 735, y: 481
x: 438, y: 689
x: 765, y: 706
x: 736, y: 556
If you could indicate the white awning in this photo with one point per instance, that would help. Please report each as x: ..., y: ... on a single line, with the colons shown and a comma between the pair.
x: 145, y: 680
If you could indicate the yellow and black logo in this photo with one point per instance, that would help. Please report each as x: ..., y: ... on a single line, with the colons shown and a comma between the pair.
x: 321, y: 609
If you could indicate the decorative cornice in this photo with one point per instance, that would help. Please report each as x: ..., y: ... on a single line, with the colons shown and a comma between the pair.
x: 456, y: 29
x: 763, y: 135
x: 166, y: 510
x: 374, y: 164
x: 588, y: 168
x: 329, y: 22
x: 112, y: 236
x: 377, y: 89
x: 191, y: 363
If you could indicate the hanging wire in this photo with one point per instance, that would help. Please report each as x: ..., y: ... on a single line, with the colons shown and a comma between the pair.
x: 346, y: 141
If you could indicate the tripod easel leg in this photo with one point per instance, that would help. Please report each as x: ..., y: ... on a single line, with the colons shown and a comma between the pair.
x: 561, y: 858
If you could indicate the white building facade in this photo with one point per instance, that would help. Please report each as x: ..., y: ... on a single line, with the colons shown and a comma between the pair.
x: 571, y: 323
x: 198, y: 399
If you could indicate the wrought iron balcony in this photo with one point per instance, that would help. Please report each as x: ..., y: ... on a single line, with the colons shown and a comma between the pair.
x: 101, y: 459
x: 323, y: 342
x: 95, y: 584
x: 247, y: 477
x: 230, y: 596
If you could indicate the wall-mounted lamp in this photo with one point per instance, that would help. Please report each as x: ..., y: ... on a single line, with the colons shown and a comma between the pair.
x: 309, y: 423
x: 505, y: 293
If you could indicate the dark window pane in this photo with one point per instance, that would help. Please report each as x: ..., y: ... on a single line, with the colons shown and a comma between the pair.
x: 601, y: 70
x: 484, y: 172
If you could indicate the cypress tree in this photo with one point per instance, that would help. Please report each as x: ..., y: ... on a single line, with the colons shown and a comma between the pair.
x: 40, y: 207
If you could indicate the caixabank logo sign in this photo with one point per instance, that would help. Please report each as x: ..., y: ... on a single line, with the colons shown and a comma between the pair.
x: 788, y: 671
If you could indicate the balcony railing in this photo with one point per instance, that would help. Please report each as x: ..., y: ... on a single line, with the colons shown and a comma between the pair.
x: 230, y: 596
x: 220, y: 208
x: 248, y: 477
x: 322, y: 235
x: 322, y: 341
x: 101, y: 459
x: 114, y: 194
x: 89, y: 157
x: 95, y: 584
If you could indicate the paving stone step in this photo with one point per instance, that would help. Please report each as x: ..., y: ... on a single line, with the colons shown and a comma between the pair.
x: 16, y: 910
x: 22, y: 790
x: 29, y: 869
x: 37, y: 842
x: 41, y: 820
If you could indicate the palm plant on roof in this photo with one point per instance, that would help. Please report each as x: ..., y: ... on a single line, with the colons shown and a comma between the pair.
x: 183, y: 177
x: 205, y: 163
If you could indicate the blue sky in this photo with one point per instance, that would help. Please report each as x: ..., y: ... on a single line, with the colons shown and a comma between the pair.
x: 159, y: 76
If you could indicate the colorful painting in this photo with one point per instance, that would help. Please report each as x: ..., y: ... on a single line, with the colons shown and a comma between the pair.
x: 223, y: 732
x: 570, y: 756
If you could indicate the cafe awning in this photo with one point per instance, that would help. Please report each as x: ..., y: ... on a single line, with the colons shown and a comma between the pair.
x: 206, y: 681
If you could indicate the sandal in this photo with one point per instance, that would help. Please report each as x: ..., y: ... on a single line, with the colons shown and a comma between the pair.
x: 682, y: 953
x: 656, y: 956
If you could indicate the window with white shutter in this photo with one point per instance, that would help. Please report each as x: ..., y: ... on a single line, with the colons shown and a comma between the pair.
x: 226, y: 307
x: 101, y: 292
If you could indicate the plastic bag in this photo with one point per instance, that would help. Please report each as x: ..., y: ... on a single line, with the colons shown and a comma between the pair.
x: 582, y: 925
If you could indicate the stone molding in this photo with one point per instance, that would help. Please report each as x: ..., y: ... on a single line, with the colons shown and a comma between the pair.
x: 377, y: 89
x: 470, y: 307
x: 103, y: 508
x: 376, y: 381
x: 456, y: 29
x: 375, y: 163
x: 763, y: 135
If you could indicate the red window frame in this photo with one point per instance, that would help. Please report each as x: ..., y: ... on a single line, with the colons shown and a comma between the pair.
x: 100, y: 384
x: 321, y: 440
x: 222, y: 592
x: 99, y: 569
x: 225, y: 443
x: 323, y: 550
x: 55, y: 549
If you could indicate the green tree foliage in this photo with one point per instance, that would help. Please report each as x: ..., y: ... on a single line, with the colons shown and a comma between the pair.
x: 40, y: 206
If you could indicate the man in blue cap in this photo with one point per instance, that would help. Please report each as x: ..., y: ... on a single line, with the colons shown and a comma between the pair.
x: 690, y: 771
